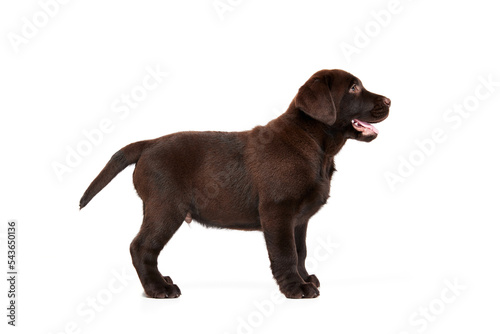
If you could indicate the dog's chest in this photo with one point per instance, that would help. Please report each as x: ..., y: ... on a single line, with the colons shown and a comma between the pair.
x: 323, y: 188
x: 320, y: 191
x: 325, y: 178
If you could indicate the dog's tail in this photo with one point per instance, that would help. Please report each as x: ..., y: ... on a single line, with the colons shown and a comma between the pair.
x: 128, y: 155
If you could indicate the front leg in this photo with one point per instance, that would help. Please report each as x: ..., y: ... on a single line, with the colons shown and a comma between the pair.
x: 300, y: 244
x: 278, y: 227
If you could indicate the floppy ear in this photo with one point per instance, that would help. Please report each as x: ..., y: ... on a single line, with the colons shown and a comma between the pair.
x: 315, y: 99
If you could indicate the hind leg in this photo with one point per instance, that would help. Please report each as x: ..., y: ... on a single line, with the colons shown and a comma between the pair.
x: 159, y: 225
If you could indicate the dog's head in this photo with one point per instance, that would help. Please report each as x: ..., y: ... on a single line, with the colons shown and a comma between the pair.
x: 339, y: 100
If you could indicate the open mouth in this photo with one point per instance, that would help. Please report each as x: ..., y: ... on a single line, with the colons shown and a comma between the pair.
x: 365, y: 128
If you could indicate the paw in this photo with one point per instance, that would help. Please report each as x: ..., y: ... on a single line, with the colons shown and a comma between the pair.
x: 300, y: 290
x: 167, y: 289
x: 312, y: 279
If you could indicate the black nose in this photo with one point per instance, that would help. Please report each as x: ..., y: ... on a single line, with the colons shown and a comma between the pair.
x: 387, y: 101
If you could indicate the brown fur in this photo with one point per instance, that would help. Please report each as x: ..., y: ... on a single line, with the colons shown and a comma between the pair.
x: 273, y: 178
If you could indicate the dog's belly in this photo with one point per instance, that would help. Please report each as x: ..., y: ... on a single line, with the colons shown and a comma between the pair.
x: 232, y: 219
x: 231, y: 204
x: 230, y: 209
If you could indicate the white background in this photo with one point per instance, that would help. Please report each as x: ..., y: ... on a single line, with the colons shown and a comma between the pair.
x: 397, y: 248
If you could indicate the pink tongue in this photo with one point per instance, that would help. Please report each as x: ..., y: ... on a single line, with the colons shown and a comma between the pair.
x: 367, y: 125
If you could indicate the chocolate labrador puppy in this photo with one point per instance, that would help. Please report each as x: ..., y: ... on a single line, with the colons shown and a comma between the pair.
x: 273, y: 178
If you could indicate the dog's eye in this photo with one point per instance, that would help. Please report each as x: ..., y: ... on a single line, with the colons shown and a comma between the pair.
x: 354, y: 88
